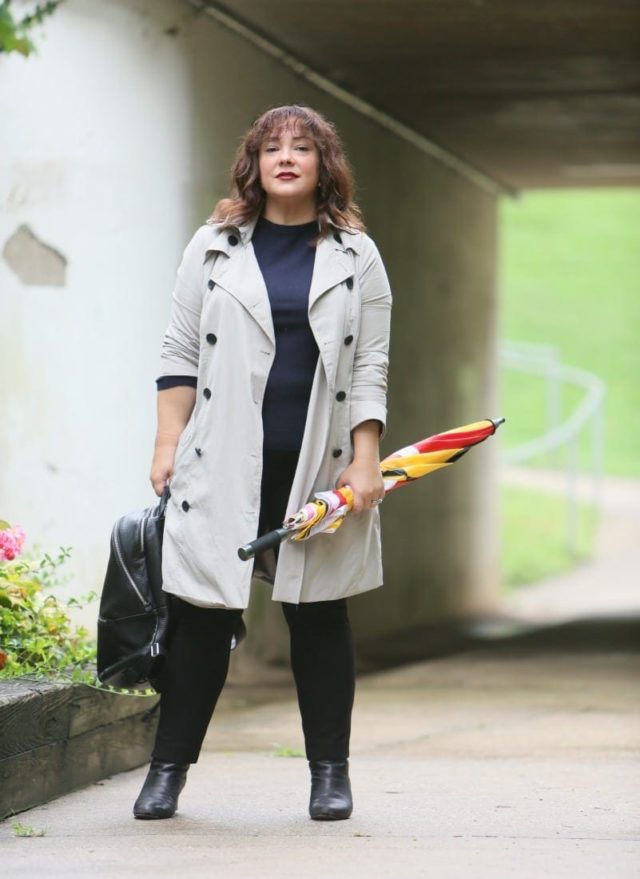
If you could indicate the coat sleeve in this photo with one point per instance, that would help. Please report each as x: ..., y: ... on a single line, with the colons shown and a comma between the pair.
x: 181, y: 344
x: 371, y: 356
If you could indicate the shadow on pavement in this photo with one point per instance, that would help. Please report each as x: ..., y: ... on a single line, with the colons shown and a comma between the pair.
x: 614, y: 634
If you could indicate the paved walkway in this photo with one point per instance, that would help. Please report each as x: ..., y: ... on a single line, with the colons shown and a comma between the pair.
x: 515, y: 758
x: 608, y: 584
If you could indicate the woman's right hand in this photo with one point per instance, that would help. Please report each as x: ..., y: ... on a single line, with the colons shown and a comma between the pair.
x: 162, y: 467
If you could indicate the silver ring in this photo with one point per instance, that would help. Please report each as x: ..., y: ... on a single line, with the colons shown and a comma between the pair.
x: 379, y: 501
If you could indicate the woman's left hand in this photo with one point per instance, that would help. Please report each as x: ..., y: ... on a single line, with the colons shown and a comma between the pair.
x: 366, y: 481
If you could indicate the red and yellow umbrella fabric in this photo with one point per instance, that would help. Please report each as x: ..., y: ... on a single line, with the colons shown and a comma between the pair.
x: 328, y: 510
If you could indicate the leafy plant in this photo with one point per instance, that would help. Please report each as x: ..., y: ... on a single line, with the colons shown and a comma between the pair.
x: 14, y: 32
x: 284, y: 751
x: 37, y: 637
x: 25, y: 829
x: 35, y: 631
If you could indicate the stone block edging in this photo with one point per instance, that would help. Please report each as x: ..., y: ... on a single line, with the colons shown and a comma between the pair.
x: 56, y: 737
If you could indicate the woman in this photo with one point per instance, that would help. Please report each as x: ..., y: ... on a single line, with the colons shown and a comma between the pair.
x: 273, y: 386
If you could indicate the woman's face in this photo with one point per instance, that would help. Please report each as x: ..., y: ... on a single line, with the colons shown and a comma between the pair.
x: 289, y: 166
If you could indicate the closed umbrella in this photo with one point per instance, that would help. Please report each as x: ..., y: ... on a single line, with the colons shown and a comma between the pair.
x: 327, y: 511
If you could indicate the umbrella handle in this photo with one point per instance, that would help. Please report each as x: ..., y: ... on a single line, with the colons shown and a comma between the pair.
x: 260, y: 544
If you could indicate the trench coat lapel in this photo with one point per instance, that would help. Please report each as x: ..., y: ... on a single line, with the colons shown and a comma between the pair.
x: 331, y: 267
x: 239, y: 274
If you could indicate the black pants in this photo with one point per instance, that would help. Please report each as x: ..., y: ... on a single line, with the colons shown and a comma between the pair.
x: 322, y: 655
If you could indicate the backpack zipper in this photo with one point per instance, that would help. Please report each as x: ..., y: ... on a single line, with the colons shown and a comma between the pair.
x: 116, y: 544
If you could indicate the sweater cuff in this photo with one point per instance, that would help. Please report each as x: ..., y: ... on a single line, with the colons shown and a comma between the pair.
x: 174, y: 381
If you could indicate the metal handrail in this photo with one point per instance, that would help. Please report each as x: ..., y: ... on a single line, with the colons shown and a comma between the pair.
x: 544, y: 361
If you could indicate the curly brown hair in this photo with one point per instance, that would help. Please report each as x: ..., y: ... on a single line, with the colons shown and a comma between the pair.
x: 334, y: 195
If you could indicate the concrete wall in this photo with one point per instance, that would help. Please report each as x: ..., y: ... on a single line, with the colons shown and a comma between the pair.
x: 94, y: 160
x: 123, y: 130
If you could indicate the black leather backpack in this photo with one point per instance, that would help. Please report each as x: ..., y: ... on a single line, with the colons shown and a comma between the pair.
x: 133, y: 618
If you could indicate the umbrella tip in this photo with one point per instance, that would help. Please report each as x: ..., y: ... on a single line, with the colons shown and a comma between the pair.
x: 496, y: 422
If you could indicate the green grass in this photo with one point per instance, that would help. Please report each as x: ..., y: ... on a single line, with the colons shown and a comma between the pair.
x: 524, y: 399
x: 533, y: 536
x: 285, y: 751
x: 570, y: 277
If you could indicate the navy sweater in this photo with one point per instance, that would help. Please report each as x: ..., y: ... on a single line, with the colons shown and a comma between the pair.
x: 286, y: 261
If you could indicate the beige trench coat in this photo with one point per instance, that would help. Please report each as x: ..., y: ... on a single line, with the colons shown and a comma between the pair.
x: 221, y: 331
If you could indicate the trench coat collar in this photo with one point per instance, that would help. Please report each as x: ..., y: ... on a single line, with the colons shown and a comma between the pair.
x: 241, y: 276
x: 347, y: 239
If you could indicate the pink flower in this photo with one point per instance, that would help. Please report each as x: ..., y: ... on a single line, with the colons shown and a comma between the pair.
x: 19, y: 535
x: 11, y: 542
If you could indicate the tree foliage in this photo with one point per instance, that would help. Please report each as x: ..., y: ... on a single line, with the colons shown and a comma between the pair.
x: 14, y: 30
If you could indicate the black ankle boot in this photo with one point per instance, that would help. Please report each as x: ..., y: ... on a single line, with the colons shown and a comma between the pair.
x: 159, y: 795
x: 330, y: 790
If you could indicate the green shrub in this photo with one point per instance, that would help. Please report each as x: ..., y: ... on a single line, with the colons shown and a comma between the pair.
x: 37, y: 636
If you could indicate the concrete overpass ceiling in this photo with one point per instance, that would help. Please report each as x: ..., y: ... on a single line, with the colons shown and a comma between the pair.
x: 532, y: 94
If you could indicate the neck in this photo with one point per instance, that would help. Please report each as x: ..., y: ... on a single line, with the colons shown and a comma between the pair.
x: 290, y: 214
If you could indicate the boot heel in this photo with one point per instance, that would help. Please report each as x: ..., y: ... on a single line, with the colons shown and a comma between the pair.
x: 162, y: 786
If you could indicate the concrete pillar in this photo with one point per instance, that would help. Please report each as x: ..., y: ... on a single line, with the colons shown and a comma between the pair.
x: 440, y: 536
